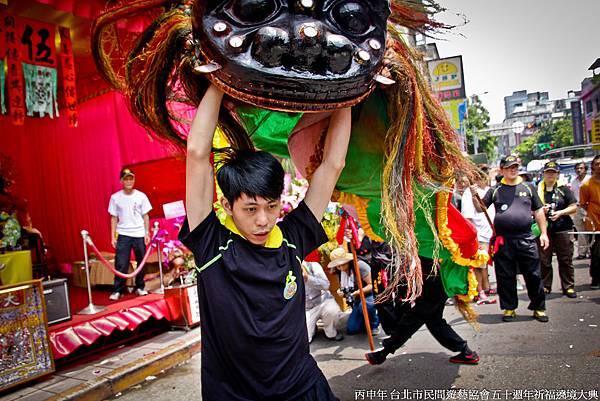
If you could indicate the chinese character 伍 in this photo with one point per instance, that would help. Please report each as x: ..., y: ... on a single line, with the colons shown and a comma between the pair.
x: 43, y: 50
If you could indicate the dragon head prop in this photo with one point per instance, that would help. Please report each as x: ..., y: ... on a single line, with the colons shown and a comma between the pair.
x: 296, y: 55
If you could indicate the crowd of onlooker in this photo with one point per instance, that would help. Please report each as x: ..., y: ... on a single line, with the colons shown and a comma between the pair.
x: 521, y: 221
x: 533, y: 220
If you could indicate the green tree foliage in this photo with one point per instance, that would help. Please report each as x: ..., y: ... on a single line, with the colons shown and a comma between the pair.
x: 477, y: 119
x: 550, y: 134
x: 526, y: 148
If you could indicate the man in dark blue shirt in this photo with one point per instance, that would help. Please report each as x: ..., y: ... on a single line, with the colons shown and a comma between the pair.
x: 559, y: 205
x: 252, y: 296
x: 516, y: 249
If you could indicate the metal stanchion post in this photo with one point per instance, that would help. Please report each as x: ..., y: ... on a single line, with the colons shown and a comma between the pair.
x: 91, y: 309
x: 161, y: 290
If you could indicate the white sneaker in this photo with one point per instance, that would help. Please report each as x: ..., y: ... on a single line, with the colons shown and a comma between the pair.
x: 115, y: 296
x: 141, y: 292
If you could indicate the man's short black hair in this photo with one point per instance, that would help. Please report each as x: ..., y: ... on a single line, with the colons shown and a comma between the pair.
x: 254, y: 173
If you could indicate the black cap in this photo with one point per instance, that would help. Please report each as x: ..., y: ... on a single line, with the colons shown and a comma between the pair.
x: 125, y: 172
x: 551, y: 166
x: 509, y: 161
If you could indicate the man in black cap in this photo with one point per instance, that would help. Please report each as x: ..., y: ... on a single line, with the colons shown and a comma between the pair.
x: 559, y: 204
x: 129, y: 227
x: 514, y: 246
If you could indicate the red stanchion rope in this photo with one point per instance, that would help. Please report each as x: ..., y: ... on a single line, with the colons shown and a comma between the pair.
x: 109, y: 265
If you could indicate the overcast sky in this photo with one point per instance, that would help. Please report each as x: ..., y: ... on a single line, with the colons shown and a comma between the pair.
x: 510, y: 45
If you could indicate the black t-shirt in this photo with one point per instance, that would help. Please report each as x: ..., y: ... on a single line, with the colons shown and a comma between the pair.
x: 513, y: 204
x: 559, y: 198
x: 254, y: 340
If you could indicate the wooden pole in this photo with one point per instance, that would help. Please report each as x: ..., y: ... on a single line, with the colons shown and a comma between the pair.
x: 358, y: 279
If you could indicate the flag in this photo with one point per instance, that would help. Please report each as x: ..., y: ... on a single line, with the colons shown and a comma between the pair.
x: 40, y: 90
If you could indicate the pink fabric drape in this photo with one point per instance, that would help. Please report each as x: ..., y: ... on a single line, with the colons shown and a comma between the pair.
x: 68, y: 174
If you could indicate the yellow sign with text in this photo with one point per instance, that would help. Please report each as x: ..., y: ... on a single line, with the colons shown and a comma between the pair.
x: 596, y: 133
x: 451, y: 107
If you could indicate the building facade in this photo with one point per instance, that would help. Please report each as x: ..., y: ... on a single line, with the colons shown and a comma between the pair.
x: 590, y: 99
x: 525, y: 114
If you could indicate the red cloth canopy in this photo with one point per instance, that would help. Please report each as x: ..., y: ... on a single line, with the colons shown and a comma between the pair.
x: 68, y: 337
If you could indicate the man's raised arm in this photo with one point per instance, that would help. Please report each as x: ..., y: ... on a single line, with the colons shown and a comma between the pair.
x: 199, y: 180
x: 334, y: 158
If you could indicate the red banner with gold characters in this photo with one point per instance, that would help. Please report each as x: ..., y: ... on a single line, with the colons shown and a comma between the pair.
x: 15, y: 72
x: 68, y: 69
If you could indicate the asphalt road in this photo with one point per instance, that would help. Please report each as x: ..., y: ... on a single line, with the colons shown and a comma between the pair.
x: 521, y: 360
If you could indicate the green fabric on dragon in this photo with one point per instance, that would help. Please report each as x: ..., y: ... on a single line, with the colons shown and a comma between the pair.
x: 269, y: 130
x: 454, y: 277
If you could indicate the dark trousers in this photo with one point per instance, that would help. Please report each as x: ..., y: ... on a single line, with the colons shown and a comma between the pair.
x: 356, y: 321
x: 122, y: 256
x: 562, y: 245
x: 519, y: 255
x: 320, y: 391
x: 595, y: 262
x: 428, y: 310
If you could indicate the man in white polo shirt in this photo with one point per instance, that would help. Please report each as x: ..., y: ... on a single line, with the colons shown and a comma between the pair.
x: 129, y: 226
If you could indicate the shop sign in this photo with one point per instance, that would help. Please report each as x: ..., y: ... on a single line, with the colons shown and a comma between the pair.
x: 24, y: 345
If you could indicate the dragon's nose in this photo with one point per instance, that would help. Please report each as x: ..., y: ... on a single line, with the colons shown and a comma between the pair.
x: 270, y: 46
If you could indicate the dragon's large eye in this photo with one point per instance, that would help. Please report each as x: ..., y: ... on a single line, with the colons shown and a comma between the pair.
x: 352, y: 17
x: 253, y: 11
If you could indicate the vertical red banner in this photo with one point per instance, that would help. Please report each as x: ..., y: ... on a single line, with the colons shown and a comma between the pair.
x: 67, y: 64
x: 15, y: 72
x: 2, y: 36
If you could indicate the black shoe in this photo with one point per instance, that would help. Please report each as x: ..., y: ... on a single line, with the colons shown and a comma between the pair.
x: 467, y: 358
x: 377, y: 357
x: 595, y: 285
x: 570, y: 292
x: 338, y: 337
x: 581, y: 257
x: 547, y: 290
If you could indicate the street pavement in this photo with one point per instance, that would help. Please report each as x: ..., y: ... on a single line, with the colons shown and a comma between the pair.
x: 521, y: 360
